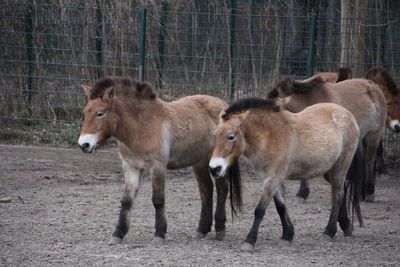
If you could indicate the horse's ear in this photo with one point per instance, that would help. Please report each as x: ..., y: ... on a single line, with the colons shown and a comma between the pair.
x: 243, y: 116
x: 145, y: 90
x: 109, y: 94
x: 88, y: 90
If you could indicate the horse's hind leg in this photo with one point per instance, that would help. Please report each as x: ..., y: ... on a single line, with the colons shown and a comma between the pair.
x: 371, y: 146
x: 132, y: 179
x: 303, y: 193
x: 336, y: 177
x: 288, y: 230
x: 380, y: 161
x: 345, y: 224
x: 206, y: 195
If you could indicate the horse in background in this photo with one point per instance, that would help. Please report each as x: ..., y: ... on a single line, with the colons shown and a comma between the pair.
x: 343, y: 73
x: 320, y: 140
x: 389, y: 88
x: 363, y: 98
x: 154, y: 136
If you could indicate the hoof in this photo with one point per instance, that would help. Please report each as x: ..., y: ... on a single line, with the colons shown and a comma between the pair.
x: 349, y: 230
x: 157, y: 241
x: 199, y: 236
x: 370, y: 198
x: 220, y: 235
x: 115, y: 240
x: 247, y: 247
x: 326, y: 238
x: 285, y: 243
x: 300, y: 200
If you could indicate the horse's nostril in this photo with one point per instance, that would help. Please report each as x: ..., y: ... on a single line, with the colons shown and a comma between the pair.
x: 84, y: 147
x: 215, y: 171
x: 397, y: 128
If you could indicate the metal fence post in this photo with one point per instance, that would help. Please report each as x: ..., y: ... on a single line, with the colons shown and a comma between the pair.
x: 29, y: 52
x: 142, y: 44
x: 233, y: 49
x: 311, y: 45
x: 161, y: 42
x: 99, y: 41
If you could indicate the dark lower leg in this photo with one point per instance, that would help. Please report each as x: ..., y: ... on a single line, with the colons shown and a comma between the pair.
x: 304, y: 190
x: 123, y: 220
x: 258, y: 217
x: 220, y: 211
x: 380, y: 161
x: 344, y: 221
x: 288, y: 229
x: 161, y: 222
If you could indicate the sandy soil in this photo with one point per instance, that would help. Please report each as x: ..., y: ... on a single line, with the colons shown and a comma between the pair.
x: 64, y: 207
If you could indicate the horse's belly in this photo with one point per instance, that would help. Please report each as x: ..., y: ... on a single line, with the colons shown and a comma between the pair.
x: 188, y: 156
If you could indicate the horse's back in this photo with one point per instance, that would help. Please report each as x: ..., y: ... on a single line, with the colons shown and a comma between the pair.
x: 364, y: 100
x: 323, y: 132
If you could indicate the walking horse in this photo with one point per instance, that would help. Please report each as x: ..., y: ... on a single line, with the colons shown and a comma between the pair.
x: 320, y: 140
x: 363, y: 98
x: 154, y: 136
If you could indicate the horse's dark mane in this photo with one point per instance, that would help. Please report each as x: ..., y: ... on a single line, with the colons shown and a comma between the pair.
x: 250, y: 103
x: 289, y: 86
x: 122, y: 85
x: 387, y: 80
x: 343, y: 73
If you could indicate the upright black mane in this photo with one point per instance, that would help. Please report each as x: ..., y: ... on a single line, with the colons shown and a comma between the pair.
x: 250, y: 103
x: 343, y: 73
x: 289, y: 86
x: 123, y: 85
x: 381, y: 76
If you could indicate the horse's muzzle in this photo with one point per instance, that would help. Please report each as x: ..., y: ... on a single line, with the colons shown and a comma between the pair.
x: 215, y: 171
x: 86, y: 148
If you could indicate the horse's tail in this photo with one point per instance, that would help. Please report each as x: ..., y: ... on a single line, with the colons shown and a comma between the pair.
x: 343, y: 74
x: 235, y: 187
x: 355, y: 175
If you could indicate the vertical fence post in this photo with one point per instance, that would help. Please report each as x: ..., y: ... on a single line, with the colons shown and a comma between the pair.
x: 161, y: 42
x: 142, y: 44
x: 29, y: 45
x: 233, y: 49
x: 311, y: 44
x: 99, y: 41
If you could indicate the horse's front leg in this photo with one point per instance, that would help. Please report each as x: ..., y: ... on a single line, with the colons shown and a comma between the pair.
x: 132, y: 179
x: 269, y: 188
x: 157, y: 174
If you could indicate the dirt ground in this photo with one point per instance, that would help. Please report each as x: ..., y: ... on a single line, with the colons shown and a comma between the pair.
x: 64, y: 207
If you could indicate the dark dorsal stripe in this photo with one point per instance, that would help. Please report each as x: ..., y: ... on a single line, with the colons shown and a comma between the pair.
x: 387, y: 80
x: 343, y: 74
x: 250, y: 103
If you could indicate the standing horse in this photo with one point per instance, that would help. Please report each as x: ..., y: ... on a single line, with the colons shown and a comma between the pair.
x: 361, y: 97
x: 320, y: 140
x: 154, y: 136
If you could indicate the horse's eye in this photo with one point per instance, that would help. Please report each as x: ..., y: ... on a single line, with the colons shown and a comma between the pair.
x: 231, y: 137
x: 100, y: 114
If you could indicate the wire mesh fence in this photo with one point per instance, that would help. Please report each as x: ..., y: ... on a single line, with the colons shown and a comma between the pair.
x: 229, y: 49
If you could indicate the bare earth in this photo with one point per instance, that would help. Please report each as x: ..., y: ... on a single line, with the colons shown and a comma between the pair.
x: 64, y: 207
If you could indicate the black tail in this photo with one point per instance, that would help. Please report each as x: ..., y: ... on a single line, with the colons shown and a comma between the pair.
x: 343, y: 74
x: 355, y: 175
x: 235, y: 187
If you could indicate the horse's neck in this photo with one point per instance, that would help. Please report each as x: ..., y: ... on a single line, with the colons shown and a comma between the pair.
x: 266, y: 135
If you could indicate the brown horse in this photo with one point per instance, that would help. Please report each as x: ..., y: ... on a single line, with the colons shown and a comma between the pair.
x: 154, y: 136
x: 320, y: 140
x: 361, y: 97
x: 389, y: 88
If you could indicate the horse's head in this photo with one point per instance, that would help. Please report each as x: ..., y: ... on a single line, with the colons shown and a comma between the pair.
x: 229, y: 143
x: 393, y: 111
x: 392, y: 94
x: 109, y: 99
x: 98, y: 119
